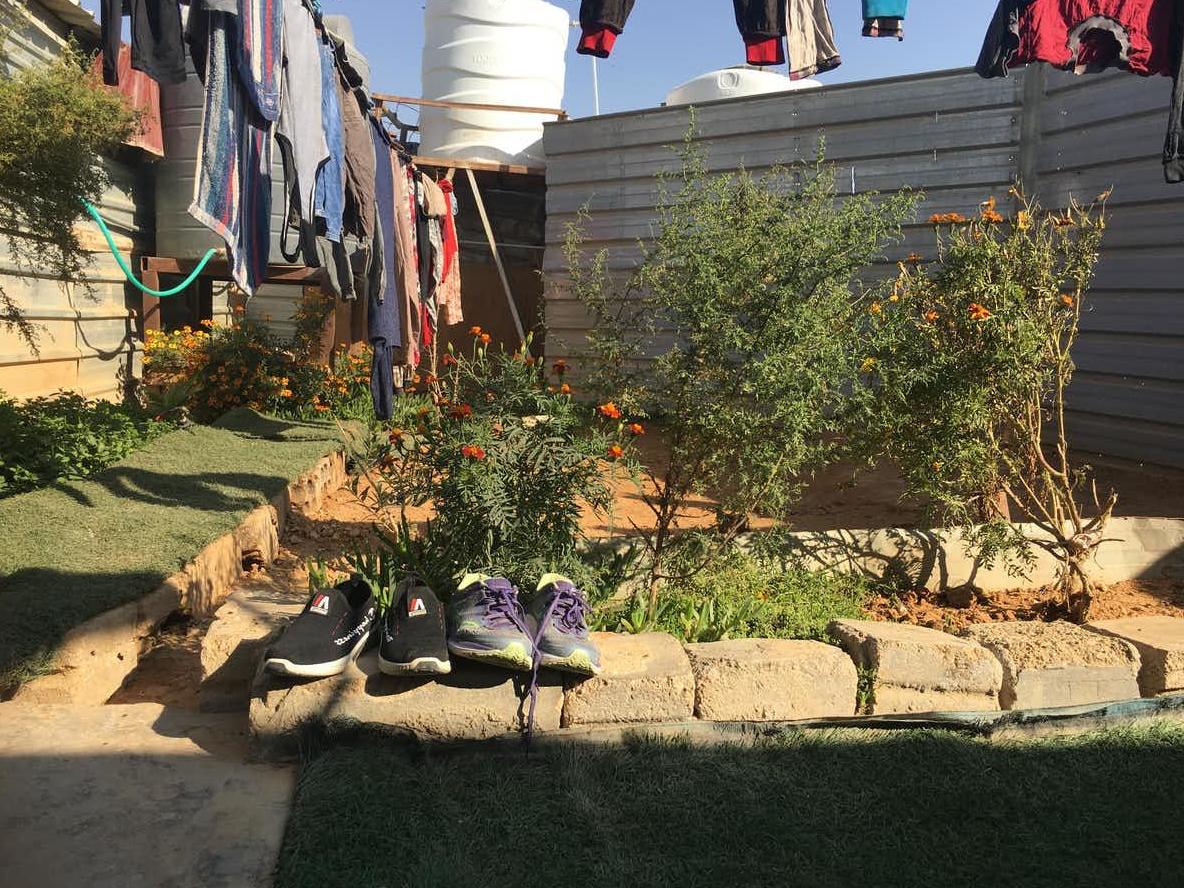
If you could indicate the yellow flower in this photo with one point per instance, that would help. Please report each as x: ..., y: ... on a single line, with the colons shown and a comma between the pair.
x: 1023, y: 220
x: 869, y: 364
x: 875, y: 308
x: 979, y: 312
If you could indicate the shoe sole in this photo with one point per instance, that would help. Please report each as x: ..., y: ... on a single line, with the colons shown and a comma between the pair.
x: 316, y: 670
x: 512, y: 656
x: 418, y: 666
x: 579, y: 663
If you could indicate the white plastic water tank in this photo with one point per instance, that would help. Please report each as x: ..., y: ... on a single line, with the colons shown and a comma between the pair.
x: 734, y: 83
x: 496, y: 52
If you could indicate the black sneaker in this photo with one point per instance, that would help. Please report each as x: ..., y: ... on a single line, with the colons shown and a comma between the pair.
x: 329, y: 634
x: 413, y: 640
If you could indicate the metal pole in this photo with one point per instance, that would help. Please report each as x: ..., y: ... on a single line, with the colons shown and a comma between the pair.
x: 595, y: 86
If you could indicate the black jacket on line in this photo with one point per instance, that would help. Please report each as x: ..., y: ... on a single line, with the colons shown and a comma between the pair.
x: 754, y: 18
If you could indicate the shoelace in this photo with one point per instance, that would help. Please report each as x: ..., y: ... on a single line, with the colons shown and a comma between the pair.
x: 567, y: 608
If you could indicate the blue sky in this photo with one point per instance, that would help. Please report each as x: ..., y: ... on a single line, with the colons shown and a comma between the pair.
x: 662, y: 48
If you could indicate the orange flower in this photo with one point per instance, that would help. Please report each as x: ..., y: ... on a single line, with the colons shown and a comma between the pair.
x: 616, y: 452
x: 486, y: 339
x: 913, y: 258
x: 1067, y: 300
x: 931, y: 315
x: 609, y: 410
x: 450, y: 361
x: 636, y: 429
x: 321, y: 408
x: 473, y: 451
x: 979, y: 312
x: 560, y: 366
x: 565, y: 389
x: 396, y: 436
x: 238, y: 310
x: 992, y: 216
x: 946, y: 219
x: 875, y: 308
x: 475, y: 331
x: 531, y: 361
x: 461, y: 411
x: 286, y: 393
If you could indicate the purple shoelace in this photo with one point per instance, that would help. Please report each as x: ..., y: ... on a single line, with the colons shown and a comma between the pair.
x: 566, y: 611
x: 502, y: 610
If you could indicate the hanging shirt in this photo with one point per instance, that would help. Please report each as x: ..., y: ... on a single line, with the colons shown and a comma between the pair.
x: 1080, y: 35
x: 158, y: 46
x: 884, y: 18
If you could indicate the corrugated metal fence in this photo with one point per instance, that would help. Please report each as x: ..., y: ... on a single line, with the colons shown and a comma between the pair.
x: 961, y: 139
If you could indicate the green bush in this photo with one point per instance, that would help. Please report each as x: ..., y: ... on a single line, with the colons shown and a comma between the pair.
x: 508, y: 462
x: 66, y: 436
x: 741, y: 594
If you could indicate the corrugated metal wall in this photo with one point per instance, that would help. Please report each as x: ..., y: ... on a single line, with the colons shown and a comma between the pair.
x: 961, y: 139
x: 87, y: 338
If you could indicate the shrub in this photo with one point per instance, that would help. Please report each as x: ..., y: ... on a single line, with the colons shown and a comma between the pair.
x: 241, y: 364
x: 56, y: 122
x: 742, y: 594
x: 968, y: 367
x: 66, y: 436
x: 507, y: 460
x: 749, y: 280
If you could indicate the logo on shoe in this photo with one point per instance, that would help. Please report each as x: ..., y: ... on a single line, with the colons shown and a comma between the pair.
x: 320, y: 605
x: 416, y: 607
x: 361, y: 629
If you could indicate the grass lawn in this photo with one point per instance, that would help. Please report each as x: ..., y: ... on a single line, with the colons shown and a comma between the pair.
x: 75, y: 549
x: 843, y: 808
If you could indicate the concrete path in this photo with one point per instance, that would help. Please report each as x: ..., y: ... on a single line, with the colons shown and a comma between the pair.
x: 137, y: 795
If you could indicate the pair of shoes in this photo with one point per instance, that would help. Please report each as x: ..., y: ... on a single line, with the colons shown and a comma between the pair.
x: 338, y: 624
x: 488, y: 622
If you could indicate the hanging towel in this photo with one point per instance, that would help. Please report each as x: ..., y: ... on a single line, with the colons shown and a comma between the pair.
x: 143, y: 94
x: 260, y: 58
x: 232, y: 191
x: 884, y: 18
x: 300, y: 130
x: 448, y: 296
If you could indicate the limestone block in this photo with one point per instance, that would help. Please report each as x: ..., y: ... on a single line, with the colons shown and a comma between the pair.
x: 646, y: 678
x: 1160, y: 643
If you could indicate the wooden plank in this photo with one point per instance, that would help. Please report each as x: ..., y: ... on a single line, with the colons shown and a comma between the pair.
x: 384, y: 98
x: 501, y: 270
x: 484, y: 166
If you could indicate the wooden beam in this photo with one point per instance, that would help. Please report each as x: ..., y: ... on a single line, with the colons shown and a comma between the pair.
x: 382, y: 98
x: 497, y: 259
x: 219, y: 269
x: 484, y: 166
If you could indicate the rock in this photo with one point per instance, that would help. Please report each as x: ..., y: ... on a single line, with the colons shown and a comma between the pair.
x: 921, y: 670
x: 1059, y: 664
x: 474, y: 702
x: 646, y: 678
x: 764, y: 679
x: 119, y: 796
x: 234, y: 645
x: 962, y: 596
x: 1160, y: 643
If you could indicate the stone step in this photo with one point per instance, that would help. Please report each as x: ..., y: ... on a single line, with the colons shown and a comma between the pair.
x: 1049, y: 665
x: 134, y: 796
x: 1160, y: 642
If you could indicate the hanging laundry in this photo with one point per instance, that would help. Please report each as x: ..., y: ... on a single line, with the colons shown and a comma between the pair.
x: 1173, y: 149
x: 329, y: 202
x: 1080, y: 35
x: 762, y: 25
x: 260, y: 60
x: 300, y: 130
x: 884, y: 18
x: 601, y: 22
x: 385, y: 333
x: 811, y: 37
x: 448, y: 294
x: 158, y: 46
x: 143, y: 94
x: 232, y: 190
x: 423, y: 245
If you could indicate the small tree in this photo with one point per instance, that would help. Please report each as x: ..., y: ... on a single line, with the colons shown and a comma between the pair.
x: 56, y: 123
x: 968, y: 367
x: 742, y: 302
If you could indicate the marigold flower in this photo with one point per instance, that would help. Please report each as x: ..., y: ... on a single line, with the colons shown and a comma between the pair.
x: 486, y: 339
x: 461, y: 411
x: 992, y: 216
x: 978, y: 312
x: 913, y: 258
x: 450, y: 361
x: 876, y: 308
x: 560, y: 366
x: 636, y: 429
x: 616, y: 451
x: 286, y: 393
x: 475, y: 331
x: 473, y: 451
x: 1067, y: 300
x: 609, y: 410
x: 868, y: 365
x: 238, y: 310
x: 565, y: 389
x: 321, y: 408
x: 931, y: 315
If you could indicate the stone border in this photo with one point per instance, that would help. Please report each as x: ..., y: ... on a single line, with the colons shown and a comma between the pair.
x: 1136, y: 548
x: 95, y: 658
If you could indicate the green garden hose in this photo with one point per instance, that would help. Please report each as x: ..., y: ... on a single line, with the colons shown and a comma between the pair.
x: 160, y: 294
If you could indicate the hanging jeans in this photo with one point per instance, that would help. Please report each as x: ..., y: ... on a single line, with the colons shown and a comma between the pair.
x: 812, y: 48
x: 232, y: 192
x: 329, y: 203
x: 383, y: 297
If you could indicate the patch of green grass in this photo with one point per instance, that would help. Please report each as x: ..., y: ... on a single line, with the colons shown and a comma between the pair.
x: 75, y: 549
x: 819, y: 809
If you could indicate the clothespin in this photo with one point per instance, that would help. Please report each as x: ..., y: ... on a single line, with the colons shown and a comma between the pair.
x: 451, y: 172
